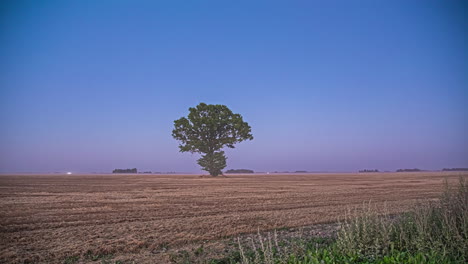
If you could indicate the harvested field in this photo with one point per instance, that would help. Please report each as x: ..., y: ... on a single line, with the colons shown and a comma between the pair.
x: 47, y: 218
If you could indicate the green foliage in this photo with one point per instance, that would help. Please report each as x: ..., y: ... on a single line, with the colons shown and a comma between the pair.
x: 408, y: 170
x: 198, y: 251
x: 239, y: 171
x: 368, y: 233
x: 326, y: 253
x: 182, y: 257
x: 206, y: 130
x: 71, y: 259
x: 134, y: 170
x: 213, y: 162
x: 439, y: 228
x: 232, y: 258
x: 97, y: 256
x: 334, y: 256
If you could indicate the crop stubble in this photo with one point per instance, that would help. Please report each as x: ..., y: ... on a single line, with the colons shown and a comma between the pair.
x: 44, y: 218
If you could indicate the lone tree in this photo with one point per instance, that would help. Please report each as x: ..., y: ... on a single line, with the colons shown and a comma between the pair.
x: 207, y: 129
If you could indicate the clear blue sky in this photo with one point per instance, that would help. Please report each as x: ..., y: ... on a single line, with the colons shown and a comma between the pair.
x: 326, y: 86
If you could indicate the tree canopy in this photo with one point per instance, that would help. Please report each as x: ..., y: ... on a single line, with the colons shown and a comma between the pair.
x: 207, y: 129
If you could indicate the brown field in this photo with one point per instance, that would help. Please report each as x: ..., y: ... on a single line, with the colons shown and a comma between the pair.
x: 46, y: 218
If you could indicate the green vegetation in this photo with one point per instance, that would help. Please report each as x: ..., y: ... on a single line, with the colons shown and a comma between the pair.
x: 134, y: 170
x: 96, y: 256
x: 455, y: 169
x: 239, y: 171
x: 71, y: 260
x: 431, y: 229
x: 434, y: 232
x: 408, y: 170
x: 366, y: 170
x: 206, y: 130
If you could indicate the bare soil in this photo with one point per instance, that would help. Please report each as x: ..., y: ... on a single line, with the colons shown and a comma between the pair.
x: 87, y: 218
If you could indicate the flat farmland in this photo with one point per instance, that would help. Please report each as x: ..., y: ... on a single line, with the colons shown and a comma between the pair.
x: 47, y: 218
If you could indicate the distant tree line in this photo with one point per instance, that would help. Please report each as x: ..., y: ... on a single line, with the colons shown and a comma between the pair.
x: 239, y: 171
x: 366, y: 170
x: 134, y: 170
x: 455, y: 169
x: 300, y: 171
x: 408, y: 170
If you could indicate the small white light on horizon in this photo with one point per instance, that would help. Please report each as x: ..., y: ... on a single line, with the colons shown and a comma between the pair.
x: 69, y: 173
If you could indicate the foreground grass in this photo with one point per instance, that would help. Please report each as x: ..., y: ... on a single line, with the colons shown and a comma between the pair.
x: 434, y: 232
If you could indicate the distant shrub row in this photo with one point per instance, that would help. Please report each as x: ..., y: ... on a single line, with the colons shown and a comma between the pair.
x: 134, y: 170
x: 369, y: 171
x: 455, y: 169
x: 408, y: 170
x: 416, y: 170
x: 240, y: 171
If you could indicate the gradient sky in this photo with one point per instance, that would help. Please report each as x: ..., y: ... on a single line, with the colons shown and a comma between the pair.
x: 89, y: 86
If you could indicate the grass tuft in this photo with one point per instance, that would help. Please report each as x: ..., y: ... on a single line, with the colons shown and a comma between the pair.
x: 433, y: 232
